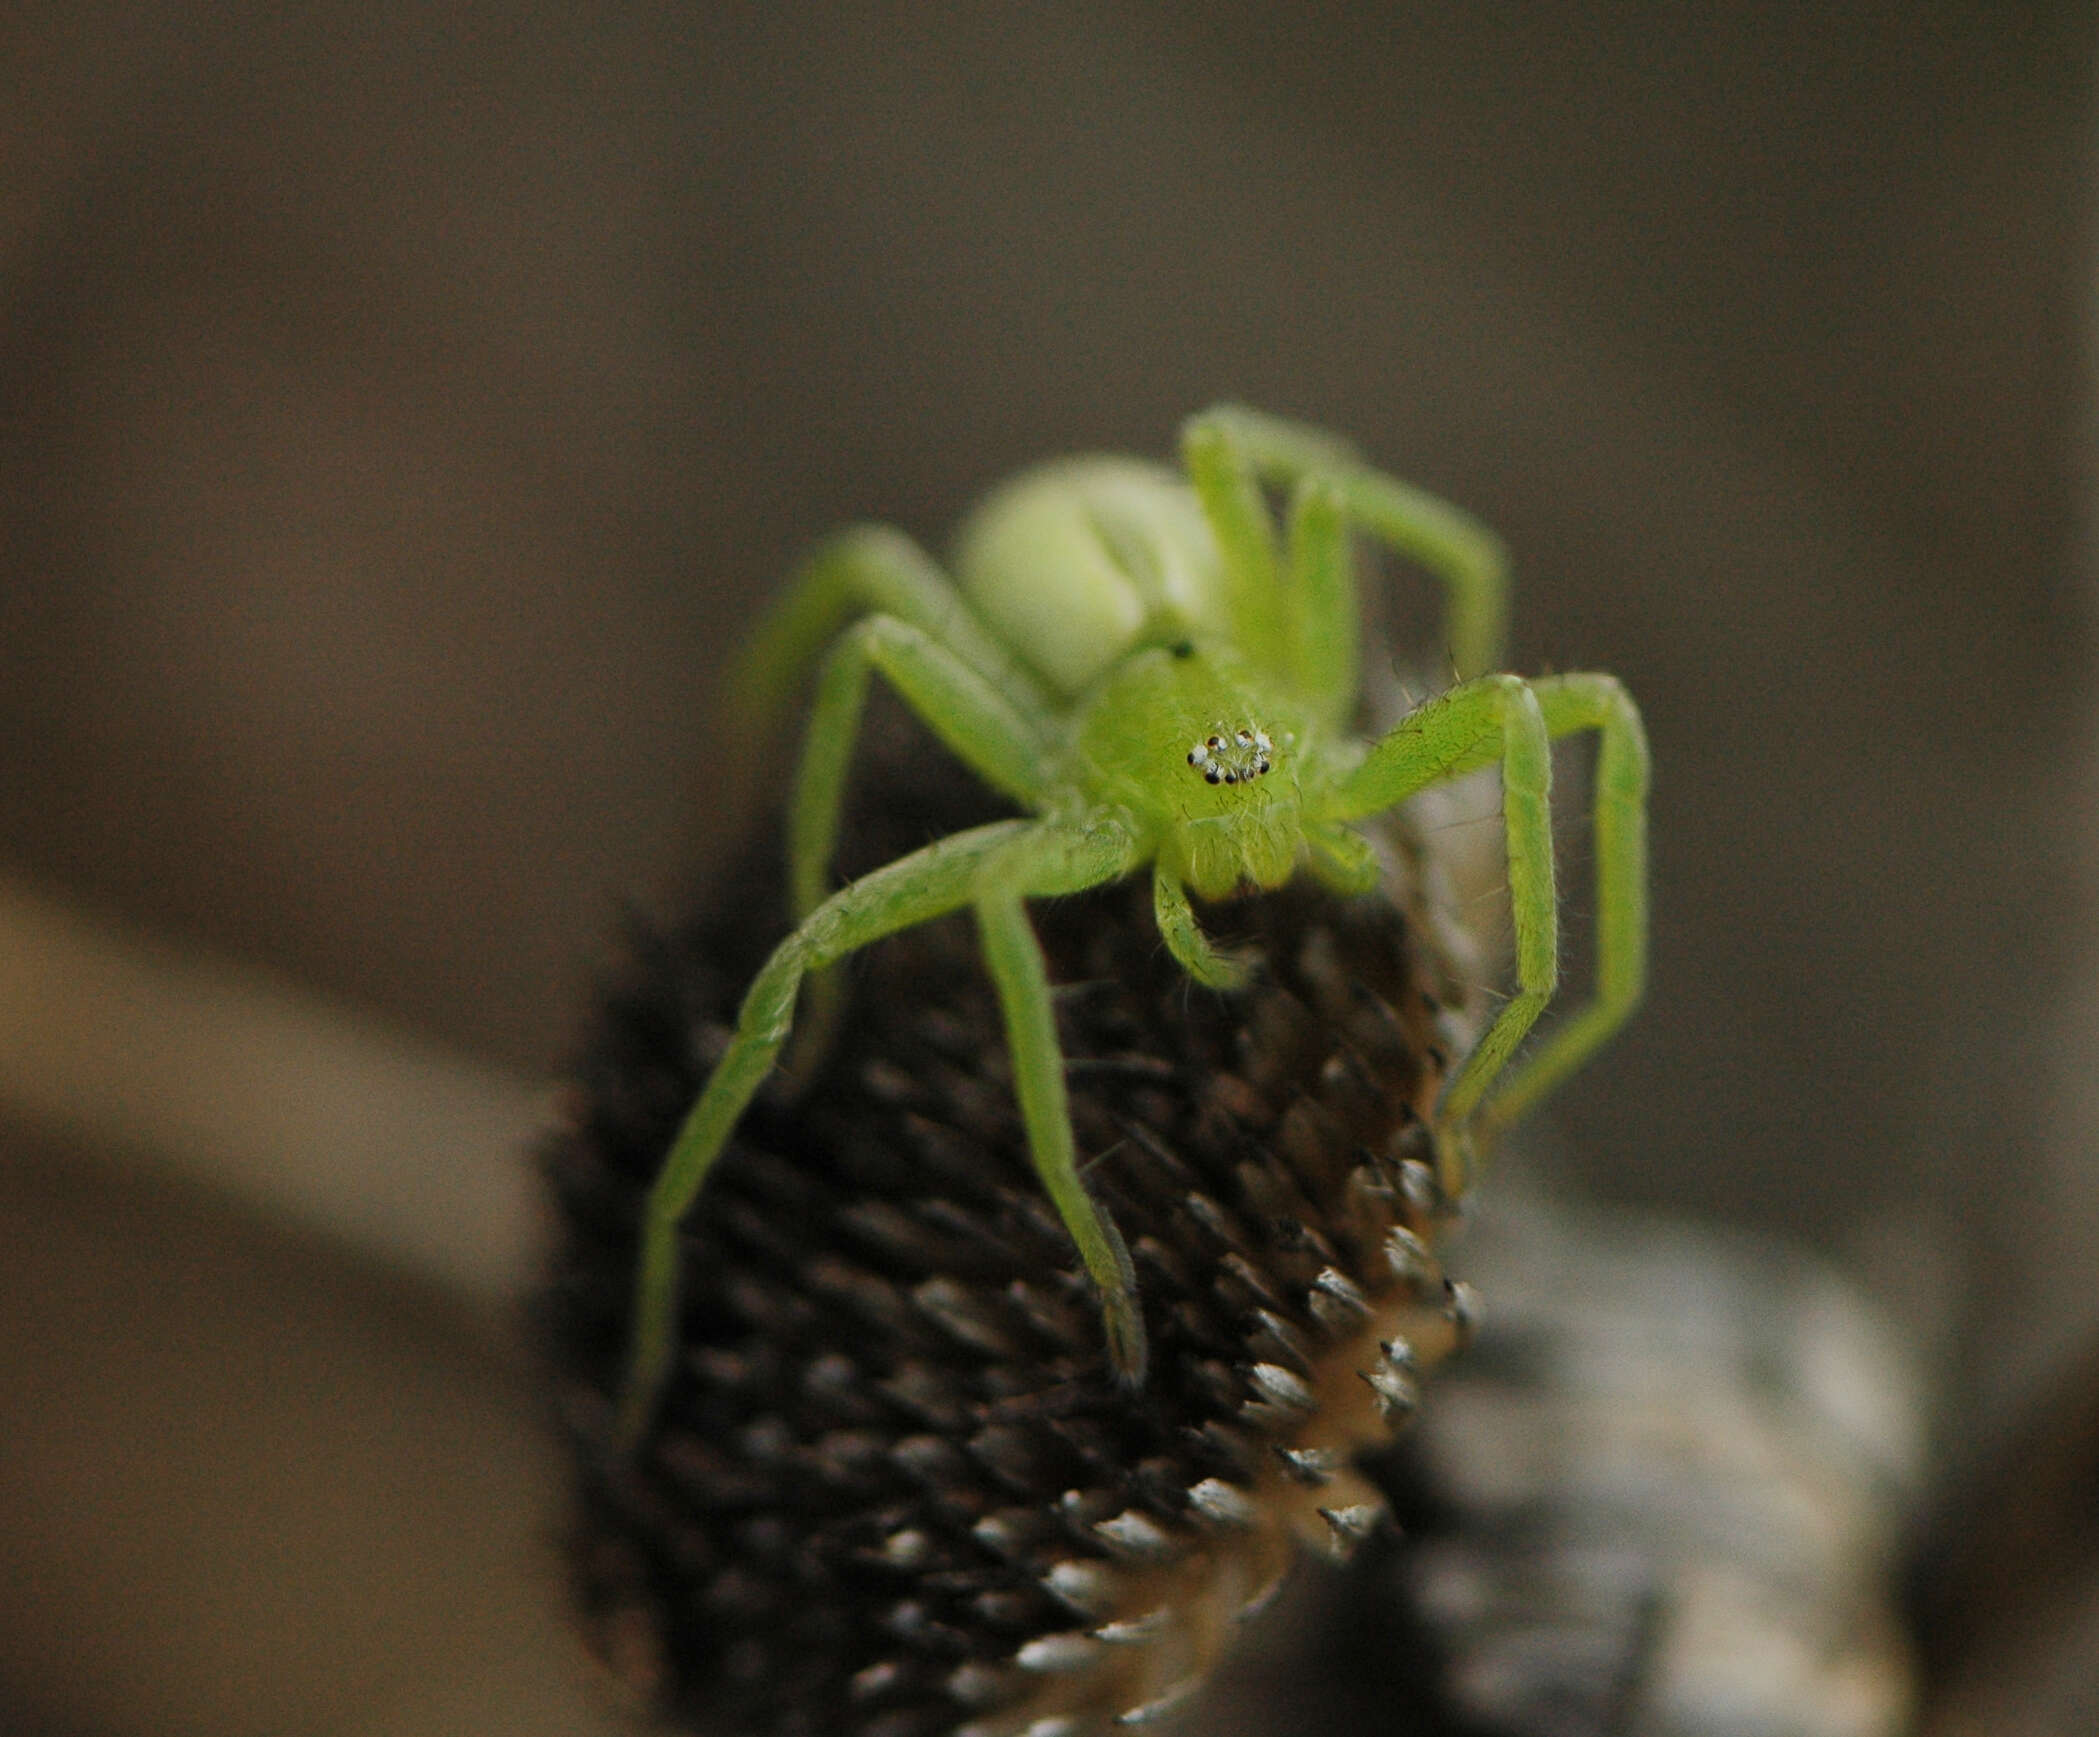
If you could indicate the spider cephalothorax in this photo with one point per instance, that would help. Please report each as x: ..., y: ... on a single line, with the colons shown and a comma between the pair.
x: 1141, y: 664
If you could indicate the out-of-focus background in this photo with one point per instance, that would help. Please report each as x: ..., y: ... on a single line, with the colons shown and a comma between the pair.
x: 399, y: 414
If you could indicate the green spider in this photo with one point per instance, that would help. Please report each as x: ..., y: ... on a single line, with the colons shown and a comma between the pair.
x: 1132, y: 658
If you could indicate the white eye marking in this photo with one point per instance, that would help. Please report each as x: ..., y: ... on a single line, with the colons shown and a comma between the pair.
x: 1238, y: 758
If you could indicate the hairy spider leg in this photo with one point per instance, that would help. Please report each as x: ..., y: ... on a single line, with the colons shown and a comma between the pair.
x: 867, y: 570
x: 1298, y: 613
x: 923, y: 635
x: 1007, y: 861
x: 1013, y: 956
x: 1207, y: 963
x: 1573, y: 703
x: 1229, y: 450
x: 1000, y: 742
x: 1323, y: 652
x: 1231, y: 498
x: 976, y: 697
x: 1491, y: 720
x: 1295, y: 613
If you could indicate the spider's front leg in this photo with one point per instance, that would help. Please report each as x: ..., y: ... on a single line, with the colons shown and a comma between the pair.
x: 993, y: 868
x: 1572, y: 703
x: 1014, y: 958
x: 914, y: 889
x: 1049, y: 860
x: 1504, y: 718
x: 1495, y: 720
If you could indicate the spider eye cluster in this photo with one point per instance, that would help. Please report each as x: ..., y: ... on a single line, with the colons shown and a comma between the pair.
x: 1238, y: 758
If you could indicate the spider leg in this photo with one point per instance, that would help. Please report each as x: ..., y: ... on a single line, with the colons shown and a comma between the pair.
x: 989, y: 866
x: 1492, y: 720
x: 869, y: 570
x: 1342, y: 859
x: 1298, y: 613
x: 1326, y: 622
x: 914, y: 889
x: 1595, y: 702
x: 1230, y: 449
x: 1001, y: 742
x: 1014, y: 958
x: 1184, y: 937
x: 1230, y: 492
x: 921, y: 634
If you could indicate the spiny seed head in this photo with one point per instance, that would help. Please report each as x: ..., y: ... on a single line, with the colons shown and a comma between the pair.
x: 894, y: 1488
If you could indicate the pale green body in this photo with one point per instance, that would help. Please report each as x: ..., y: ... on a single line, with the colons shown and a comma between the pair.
x: 1142, y: 665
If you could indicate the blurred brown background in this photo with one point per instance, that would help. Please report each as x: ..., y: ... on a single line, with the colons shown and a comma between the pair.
x: 400, y: 412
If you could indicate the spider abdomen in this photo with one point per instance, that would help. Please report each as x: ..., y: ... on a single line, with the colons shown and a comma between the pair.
x: 1075, y: 562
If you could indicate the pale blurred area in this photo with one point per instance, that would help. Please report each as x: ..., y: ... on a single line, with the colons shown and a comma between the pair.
x: 398, y: 418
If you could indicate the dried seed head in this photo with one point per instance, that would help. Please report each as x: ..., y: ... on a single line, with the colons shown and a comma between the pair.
x: 894, y: 1488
